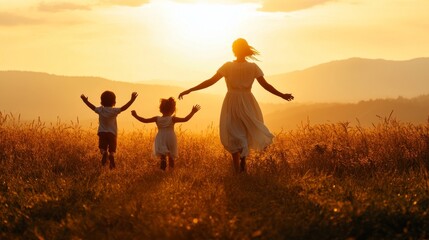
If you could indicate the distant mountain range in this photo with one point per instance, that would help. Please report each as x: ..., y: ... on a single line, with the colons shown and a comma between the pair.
x: 49, y: 97
x: 364, y: 113
x: 355, y: 79
x: 346, y: 90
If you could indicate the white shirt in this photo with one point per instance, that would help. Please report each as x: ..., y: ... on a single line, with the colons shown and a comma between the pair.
x: 107, y: 119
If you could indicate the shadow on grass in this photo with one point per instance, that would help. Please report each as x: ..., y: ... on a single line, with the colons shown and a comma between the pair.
x: 261, y: 207
x: 122, y: 215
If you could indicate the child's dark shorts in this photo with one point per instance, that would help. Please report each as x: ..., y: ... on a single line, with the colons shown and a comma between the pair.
x: 107, y: 140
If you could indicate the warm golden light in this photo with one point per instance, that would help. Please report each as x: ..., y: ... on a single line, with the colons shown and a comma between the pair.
x: 131, y: 40
x: 203, y: 27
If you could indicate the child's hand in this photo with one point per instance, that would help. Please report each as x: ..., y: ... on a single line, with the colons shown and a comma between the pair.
x: 288, y: 97
x: 196, y: 108
x: 134, y: 113
x: 84, y: 98
x: 134, y: 95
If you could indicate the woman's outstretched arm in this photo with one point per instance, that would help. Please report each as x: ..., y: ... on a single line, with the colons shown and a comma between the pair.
x: 271, y: 89
x: 141, y: 119
x: 205, y: 84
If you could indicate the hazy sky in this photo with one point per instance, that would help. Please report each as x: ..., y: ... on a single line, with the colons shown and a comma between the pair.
x: 137, y: 40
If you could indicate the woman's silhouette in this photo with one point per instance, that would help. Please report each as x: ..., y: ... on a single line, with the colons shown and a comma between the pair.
x: 241, y: 122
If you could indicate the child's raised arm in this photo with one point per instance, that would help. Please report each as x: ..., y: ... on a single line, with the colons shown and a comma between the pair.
x: 85, y: 100
x: 195, y: 109
x: 141, y: 119
x: 128, y: 104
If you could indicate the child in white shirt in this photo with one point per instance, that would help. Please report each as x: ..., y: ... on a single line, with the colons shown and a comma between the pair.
x: 108, y: 128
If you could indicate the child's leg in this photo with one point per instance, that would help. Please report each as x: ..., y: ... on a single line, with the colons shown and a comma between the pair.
x: 112, y: 149
x: 170, y: 162
x: 104, y: 155
x: 243, y: 164
x: 102, y: 145
x: 163, y: 162
x: 235, y: 162
x: 112, y: 160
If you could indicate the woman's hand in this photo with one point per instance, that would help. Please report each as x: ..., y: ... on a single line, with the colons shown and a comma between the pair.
x: 287, y: 96
x: 183, y: 94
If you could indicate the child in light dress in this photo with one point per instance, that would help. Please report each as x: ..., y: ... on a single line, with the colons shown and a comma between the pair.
x: 241, y: 123
x: 165, y: 141
x: 108, y: 127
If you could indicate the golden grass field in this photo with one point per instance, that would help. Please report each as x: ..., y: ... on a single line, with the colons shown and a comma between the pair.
x: 329, y: 181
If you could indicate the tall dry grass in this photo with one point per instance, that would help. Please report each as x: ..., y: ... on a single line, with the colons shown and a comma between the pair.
x: 329, y: 181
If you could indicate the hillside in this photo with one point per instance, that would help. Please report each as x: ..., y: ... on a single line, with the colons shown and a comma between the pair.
x: 355, y: 79
x: 49, y: 97
x: 365, y: 91
x: 364, y: 113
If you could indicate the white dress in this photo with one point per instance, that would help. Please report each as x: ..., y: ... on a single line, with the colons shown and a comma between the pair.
x: 241, y: 123
x: 165, y: 140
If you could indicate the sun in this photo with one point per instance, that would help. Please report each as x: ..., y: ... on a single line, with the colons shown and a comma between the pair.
x: 199, y: 26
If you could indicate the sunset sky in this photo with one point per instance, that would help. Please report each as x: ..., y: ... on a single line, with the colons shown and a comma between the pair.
x: 188, y: 40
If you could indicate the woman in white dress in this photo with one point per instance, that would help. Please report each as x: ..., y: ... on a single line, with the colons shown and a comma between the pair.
x: 165, y: 145
x: 241, y: 123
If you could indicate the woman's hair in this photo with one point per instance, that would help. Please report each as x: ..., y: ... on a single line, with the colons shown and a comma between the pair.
x: 167, y: 106
x: 108, y: 99
x: 240, y: 47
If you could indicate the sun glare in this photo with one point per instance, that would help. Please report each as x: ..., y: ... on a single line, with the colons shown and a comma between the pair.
x: 201, y: 26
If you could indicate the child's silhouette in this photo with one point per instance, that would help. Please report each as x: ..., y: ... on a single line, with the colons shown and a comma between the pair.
x: 241, y: 122
x: 108, y: 128
x: 165, y: 140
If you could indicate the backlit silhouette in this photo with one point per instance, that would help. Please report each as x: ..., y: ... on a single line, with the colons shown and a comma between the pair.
x: 165, y: 141
x: 241, y: 122
x: 108, y: 127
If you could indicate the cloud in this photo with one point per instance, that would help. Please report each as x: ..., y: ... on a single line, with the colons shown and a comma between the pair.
x: 216, y: 1
x: 269, y: 5
x: 61, y: 6
x: 129, y: 3
x: 290, y: 5
x: 8, y: 19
